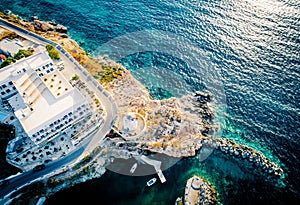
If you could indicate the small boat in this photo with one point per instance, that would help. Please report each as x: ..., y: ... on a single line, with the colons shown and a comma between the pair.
x: 178, y: 201
x: 151, y: 181
x: 133, y: 168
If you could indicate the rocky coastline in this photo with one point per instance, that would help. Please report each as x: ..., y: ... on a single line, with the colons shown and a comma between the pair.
x: 36, y: 25
x: 177, y: 127
x: 198, y: 191
x: 257, y: 159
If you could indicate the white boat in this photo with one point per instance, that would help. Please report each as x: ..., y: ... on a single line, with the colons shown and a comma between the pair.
x: 178, y: 201
x: 151, y: 181
x: 133, y: 168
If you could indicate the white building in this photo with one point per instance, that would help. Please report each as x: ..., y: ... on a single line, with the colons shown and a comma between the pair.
x: 44, y: 102
x: 10, y: 47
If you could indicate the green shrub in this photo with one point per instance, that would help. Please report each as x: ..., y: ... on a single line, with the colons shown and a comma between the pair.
x: 109, y: 73
x: 22, y: 54
x: 17, y: 56
x: 75, y: 77
x: 8, y: 61
x: 53, y: 53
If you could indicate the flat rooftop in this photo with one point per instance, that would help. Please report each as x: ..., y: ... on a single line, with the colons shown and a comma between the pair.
x: 11, y: 46
x: 34, y: 61
x: 44, y: 90
x: 47, y: 110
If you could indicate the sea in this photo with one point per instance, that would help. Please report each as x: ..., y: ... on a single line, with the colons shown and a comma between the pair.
x: 246, y: 53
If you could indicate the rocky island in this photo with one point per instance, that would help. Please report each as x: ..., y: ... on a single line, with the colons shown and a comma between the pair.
x: 176, y: 127
x: 199, y: 191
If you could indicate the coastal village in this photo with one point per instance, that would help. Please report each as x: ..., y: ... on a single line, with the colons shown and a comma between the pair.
x: 53, y: 110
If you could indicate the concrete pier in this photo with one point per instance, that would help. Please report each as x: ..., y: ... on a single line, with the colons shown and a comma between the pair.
x: 156, y: 165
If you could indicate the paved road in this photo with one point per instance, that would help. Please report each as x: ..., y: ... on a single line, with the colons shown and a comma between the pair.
x: 88, y: 144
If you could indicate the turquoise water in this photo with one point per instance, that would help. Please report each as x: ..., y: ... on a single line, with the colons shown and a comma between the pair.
x: 252, y: 46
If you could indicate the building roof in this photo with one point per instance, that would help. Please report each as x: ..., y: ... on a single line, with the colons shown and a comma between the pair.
x: 2, y: 57
x: 43, y: 103
x: 11, y: 46
x: 15, y: 69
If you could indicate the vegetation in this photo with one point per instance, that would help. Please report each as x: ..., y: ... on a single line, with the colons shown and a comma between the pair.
x: 53, y: 53
x: 86, y: 159
x: 75, y: 77
x: 97, y: 101
x: 52, y: 183
x: 80, y: 57
x: 95, y: 151
x: 109, y: 73
x: 22, y: 54
x: 17, y: 56
x: 8, y: 34
x: 7, y: 62
x: 6, y: 134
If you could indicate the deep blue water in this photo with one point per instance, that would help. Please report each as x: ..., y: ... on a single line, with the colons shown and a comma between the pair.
x: 253, y: 47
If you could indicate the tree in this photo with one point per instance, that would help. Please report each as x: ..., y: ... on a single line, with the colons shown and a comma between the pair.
x: 53, y: 53
x: 17, y: 56
x: 8, y: 61
x: 75, y: 77
x: 22, y: 54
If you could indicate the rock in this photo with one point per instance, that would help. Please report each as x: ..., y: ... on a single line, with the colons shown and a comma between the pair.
x: 257, y: 159
x: 61, y: 29
x: 244, y: 155
x: 52, y: 23
x: 251, y: 158
x: 35, y: 17
x: 42, y: 26
x: 63, y: 35
x: 30, y: 27
x: 13, y: 16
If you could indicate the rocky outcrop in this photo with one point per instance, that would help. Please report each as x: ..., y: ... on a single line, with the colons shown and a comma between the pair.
x: 257, y: 159
x: 198, y: 191
x: 36, y: 25
x: 61, y: 29
x: 42, y: 26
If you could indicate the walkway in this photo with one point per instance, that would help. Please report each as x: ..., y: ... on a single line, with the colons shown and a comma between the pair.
x: 156, y: 165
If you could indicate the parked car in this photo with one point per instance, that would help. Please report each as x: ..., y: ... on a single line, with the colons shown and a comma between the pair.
x: 39, y: 167
x: 48, y: 160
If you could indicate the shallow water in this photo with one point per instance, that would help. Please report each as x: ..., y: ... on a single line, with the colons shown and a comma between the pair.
x: 253, y: 49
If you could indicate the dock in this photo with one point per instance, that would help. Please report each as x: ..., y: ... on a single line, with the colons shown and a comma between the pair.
x: 156, y: 164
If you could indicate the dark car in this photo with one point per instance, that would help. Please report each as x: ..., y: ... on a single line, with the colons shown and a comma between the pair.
x: 39, y: 167
x: 48, y: 160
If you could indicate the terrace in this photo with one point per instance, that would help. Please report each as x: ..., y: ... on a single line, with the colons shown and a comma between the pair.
x: 56, y: 83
